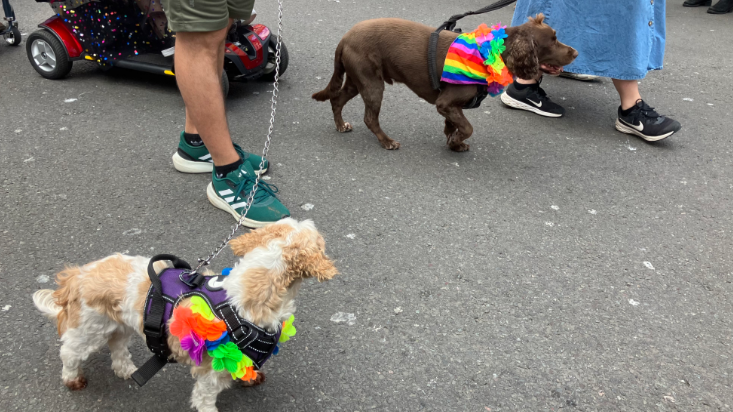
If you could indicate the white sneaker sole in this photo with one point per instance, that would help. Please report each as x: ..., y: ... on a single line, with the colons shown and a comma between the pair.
x: 189, y: 166
x: 630, y: 130
x: 516, y: 104
x: 581, y: 77
x: 223, y: 205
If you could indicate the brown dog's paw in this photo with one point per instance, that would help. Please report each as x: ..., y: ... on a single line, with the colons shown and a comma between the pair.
x: 461, y: 147
x: 391, y: 145
x: 345, y: 128
x: 259, y: 380
x: 76, y: 384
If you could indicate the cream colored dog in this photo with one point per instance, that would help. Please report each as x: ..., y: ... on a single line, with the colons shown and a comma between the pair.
x: 102, y: 302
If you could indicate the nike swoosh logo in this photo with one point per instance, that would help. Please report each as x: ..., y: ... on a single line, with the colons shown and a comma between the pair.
x: 639, y: 128
x: 535, y: 103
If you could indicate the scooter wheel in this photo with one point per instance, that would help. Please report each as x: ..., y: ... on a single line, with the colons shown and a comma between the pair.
x: 225, y: 83
x: 47, y: 55
x: 13, y: 37
x: 269, y: 71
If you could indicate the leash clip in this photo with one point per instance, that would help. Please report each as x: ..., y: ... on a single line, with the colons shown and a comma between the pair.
x: 195, y: 280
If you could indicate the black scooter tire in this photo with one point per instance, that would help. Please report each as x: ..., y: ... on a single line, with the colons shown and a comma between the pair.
x: 284, y: 60
x: 63, y: 64
x: 16, y: 36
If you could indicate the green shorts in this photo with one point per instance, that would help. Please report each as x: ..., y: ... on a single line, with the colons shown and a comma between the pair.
x: 205, y: 15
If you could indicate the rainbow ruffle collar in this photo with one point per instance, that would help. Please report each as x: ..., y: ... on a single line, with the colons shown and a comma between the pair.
x: 201, y: 332
x: 475, y: 58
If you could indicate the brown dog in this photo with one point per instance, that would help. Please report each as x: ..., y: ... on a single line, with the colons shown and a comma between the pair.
x: 394, y: 50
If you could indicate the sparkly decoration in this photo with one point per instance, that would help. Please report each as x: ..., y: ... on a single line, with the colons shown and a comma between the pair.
x: 115, y: 29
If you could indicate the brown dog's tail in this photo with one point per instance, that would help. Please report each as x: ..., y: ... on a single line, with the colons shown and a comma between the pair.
x: 337, y: 80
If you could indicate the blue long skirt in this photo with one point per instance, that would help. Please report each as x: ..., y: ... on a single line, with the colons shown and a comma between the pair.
x: 621, y: 39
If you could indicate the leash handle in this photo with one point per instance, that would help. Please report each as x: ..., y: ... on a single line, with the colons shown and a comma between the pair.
x: 450, y: 24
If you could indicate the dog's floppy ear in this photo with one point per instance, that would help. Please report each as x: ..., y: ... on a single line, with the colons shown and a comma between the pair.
x: 521, y: 56
x: 307, y: 259
x: 260, y: 237
x: 538, y: 19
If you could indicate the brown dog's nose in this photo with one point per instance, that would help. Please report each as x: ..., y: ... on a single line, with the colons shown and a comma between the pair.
x: 575, y: 53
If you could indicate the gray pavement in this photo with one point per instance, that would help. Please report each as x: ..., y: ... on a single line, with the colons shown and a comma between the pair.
x: 558, y: 264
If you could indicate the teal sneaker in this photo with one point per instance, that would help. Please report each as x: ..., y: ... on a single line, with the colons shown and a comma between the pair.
x: 230, y: 193
x: 196, y: 159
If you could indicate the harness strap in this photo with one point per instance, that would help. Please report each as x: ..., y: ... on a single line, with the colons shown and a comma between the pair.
x: 254, y: 342
x: 154, y: 330
x: 143, y: 374
x: 432, y: 59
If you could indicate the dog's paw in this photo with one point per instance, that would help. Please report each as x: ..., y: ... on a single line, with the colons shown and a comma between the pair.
x: 345, y: 128
x: 259, y: 380
x: 76, y: 384
x: 460, y: 147
x: 124, y: 371
x: 391, y: 145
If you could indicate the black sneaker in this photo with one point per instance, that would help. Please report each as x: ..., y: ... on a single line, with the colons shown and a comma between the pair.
x: 721, y: 7
x: 643, y: 121
x: 532, y: 99
x: 697, y: 3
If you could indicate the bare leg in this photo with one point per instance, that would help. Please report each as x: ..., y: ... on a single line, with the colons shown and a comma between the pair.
x: 628, y: 91
x: 198, y: 69
x: 190, y: 127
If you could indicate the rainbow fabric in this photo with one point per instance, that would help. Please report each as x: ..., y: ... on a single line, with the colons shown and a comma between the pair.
x: 201, y: 332
x: 475, y: 58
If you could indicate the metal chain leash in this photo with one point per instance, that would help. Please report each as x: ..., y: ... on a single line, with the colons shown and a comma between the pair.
x: 273, y: 106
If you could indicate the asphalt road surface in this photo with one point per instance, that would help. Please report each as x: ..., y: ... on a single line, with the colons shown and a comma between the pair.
x: 556, y: 265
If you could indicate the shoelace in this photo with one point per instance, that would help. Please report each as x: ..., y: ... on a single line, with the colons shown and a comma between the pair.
x: 264, y: 189
x: 239, y: 150
x: 541, y: 91
x: 646, y: 110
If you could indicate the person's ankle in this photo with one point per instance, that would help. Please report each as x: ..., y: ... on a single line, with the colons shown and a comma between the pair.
x: 221, y: 171
x: 527, y: 82
x: 522, y: 85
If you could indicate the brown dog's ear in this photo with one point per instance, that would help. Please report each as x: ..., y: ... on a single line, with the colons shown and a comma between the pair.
x: 521, y: 56
x: 538, y: 19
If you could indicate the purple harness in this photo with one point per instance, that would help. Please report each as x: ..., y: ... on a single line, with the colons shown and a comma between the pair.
x: 167, y: 290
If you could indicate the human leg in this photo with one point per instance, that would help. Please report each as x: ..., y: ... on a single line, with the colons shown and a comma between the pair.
x: 638, y: 118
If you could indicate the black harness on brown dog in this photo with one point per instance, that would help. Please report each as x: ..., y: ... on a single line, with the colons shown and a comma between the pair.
x: 450, y: 25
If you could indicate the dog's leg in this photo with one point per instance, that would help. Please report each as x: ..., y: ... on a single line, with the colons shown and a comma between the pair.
x: 449, y: 129
x: 463, y: 129
x: 121, y: 357
x: 78, y: 344
x: 372, y: 93
x: 207, y: 388
x: 348, y: 92
x: 259, y: 380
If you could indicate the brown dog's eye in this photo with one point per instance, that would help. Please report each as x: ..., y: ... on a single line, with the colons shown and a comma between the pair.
x: 554, y: 38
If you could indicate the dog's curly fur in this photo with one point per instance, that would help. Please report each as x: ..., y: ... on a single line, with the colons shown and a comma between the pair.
x: 103, y: 301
